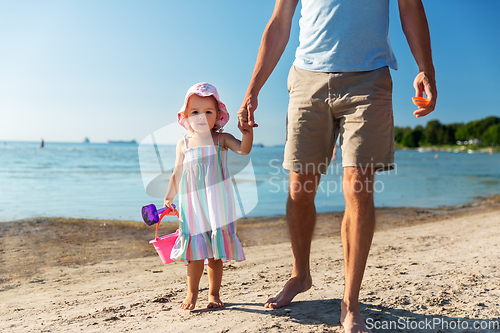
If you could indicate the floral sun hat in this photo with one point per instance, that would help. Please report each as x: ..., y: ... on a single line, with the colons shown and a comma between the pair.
x: 204, y: 89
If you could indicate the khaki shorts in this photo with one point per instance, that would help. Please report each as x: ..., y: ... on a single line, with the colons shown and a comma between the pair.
x: 355, y: 106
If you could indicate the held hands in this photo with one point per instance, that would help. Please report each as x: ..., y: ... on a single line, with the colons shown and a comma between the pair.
x: 425, y: 82
x: 245, y: 114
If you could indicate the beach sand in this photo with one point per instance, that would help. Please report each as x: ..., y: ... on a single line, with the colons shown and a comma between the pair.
x: 433, y: 269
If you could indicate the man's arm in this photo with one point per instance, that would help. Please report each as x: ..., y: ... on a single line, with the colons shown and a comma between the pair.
x: 274, y: 40
x: 416, y: 30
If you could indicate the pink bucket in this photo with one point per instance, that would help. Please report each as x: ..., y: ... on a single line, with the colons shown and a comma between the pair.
x: 164, y: 245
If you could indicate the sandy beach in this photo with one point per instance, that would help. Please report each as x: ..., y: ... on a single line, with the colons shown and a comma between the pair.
x: 429, y: 270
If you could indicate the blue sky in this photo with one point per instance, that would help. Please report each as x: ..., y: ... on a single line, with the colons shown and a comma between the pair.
x: 119, y: 69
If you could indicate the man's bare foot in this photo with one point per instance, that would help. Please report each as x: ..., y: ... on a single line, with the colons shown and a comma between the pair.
x: 190, y: 302
x: 352, y: 320
x: 214, y: 302
x: 292, y: 287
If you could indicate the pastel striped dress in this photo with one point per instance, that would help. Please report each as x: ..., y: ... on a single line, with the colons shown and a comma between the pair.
x: 207, y: 211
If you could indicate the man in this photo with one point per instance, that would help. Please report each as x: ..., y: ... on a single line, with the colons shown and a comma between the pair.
x: 339, y: 85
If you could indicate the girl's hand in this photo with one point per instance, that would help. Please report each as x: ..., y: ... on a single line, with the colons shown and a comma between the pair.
x: 168, y: 203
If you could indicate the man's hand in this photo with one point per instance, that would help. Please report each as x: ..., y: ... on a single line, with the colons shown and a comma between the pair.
x: 425, y: 83
x: 245, y: 114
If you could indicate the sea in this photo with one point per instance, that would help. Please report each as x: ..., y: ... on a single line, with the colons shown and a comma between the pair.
x: 114, y: 180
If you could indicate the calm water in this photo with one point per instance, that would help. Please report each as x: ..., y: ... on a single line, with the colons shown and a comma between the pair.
x: 104, y: 181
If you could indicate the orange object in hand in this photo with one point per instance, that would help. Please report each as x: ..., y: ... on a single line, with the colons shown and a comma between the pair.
x: 420, y: 101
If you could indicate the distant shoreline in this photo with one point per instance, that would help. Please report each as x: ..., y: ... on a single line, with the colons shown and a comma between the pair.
x: 447, y: 148
x: 450, y: 149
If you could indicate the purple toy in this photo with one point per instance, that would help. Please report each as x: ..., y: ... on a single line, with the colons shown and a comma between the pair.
x: 151, y: 215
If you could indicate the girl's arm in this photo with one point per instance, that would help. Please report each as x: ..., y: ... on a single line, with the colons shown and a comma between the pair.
x: 242, y: 147
x: 173, y: 185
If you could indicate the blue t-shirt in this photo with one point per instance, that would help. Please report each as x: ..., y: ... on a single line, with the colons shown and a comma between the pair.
x: 344, y: 36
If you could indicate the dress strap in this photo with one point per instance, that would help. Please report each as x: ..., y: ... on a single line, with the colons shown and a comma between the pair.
x: 185, y: 142
x: 218, y: 140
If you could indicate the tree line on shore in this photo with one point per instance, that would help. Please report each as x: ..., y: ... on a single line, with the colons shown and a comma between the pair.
x: 478, y: 133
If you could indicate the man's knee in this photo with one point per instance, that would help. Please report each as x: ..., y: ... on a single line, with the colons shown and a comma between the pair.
x: 358, y: 181
x: 303, y: 187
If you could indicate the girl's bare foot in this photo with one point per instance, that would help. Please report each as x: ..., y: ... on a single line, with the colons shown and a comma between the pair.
x: 214, y: 302
x: 190, y: 301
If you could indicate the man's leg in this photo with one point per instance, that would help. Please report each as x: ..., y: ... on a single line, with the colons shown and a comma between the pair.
x: 301, y: 218
x: 358, y: 227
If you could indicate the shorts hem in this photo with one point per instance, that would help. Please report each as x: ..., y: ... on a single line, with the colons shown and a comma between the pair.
x: 297, y: 168
x: 377, y: 166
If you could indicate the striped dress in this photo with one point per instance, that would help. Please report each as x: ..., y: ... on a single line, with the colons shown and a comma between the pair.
x: 206, y: 208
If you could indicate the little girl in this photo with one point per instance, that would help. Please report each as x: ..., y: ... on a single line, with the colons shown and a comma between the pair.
x: 206, y: 204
